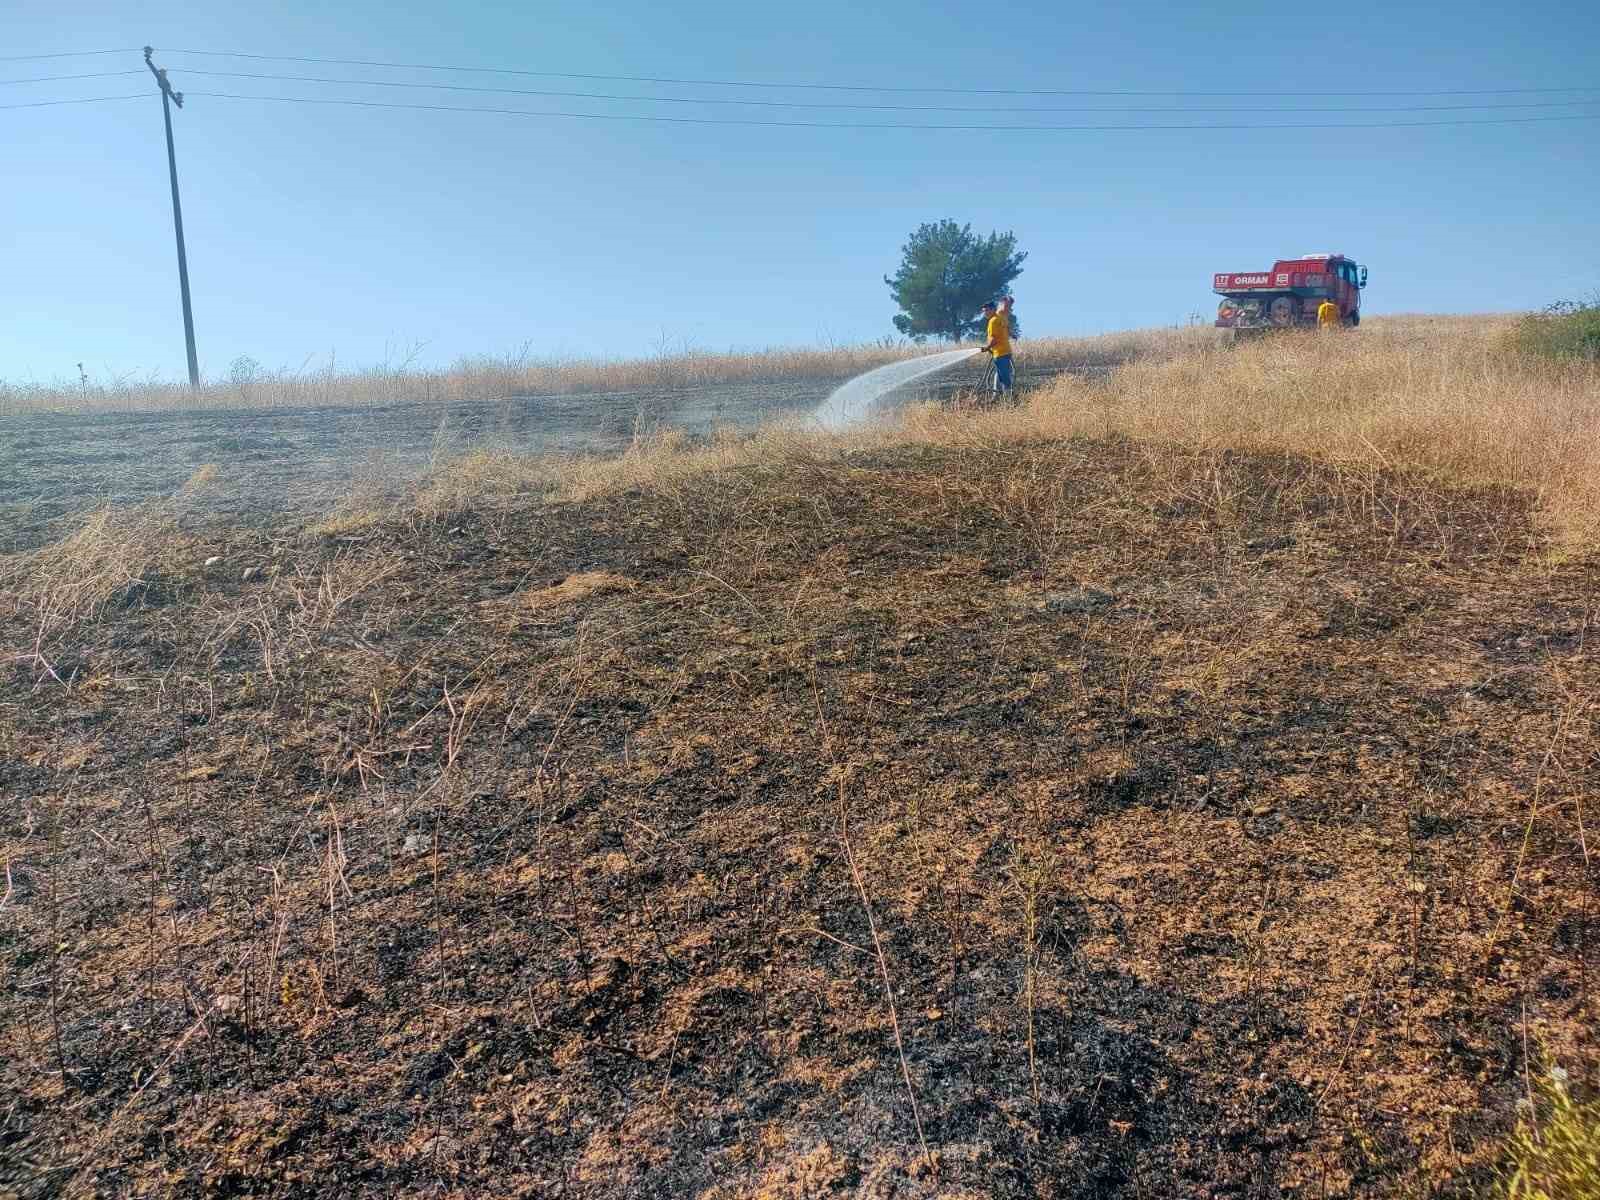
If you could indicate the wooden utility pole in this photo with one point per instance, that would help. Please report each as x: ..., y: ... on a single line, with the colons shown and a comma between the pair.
x: 168, y: 99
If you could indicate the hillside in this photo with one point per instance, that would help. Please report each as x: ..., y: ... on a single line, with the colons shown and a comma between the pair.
x: 1179, y: 786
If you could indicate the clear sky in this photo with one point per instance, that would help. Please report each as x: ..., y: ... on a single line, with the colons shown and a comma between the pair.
x: 362, y: 232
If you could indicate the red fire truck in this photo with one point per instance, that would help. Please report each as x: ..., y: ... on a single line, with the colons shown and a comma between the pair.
x: 1289, y: 295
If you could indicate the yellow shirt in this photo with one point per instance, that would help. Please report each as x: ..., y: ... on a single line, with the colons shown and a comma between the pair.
x: 1327, y: 314
x: 999, y: 334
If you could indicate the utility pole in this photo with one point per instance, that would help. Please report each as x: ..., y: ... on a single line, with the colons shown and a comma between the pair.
x: 168, y: 99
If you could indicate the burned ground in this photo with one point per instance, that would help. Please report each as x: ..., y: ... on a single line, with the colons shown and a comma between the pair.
x: 1215, y: 820
x: 278, y: 462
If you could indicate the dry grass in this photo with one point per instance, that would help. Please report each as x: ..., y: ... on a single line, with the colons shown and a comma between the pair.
x: 1440, y: 395
x: 1218, y: 751
x: 1436, y: 394
x: 1555, y: 1152
x: 106, y: 561
x: 103, y: 562
x: 487, y: 378
x: 363, y: 866
x: 570, y: 590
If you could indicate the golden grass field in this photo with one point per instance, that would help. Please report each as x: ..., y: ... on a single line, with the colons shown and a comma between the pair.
x: 520, y: 375
x: 1438, y: 393
x: 1181, y: 784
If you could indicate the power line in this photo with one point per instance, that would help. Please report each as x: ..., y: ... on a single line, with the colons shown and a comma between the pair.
x: 723, y: 100
x: 836, y: 87
x: 522, y: 112
x: 67, y: 54
x: 90, y: 75
x: 808, y: 85
x: 1126, y: 128
x: 80, y: 100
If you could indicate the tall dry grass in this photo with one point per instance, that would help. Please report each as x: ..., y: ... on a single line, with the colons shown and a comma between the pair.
x: 491, y: 378
x: 662, y: 458
x: 1439, y: 394
x: 102, y: 563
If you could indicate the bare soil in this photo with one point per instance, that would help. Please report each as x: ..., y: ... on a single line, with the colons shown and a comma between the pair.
x: 1215, y: 820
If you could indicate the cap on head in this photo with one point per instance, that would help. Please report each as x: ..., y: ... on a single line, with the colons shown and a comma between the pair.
x: 988, y: 306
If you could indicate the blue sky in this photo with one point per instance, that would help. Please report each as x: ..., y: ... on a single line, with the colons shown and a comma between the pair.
x: 315, y: 230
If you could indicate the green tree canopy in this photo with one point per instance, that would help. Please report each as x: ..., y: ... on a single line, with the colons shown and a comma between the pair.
x: 947, y: 273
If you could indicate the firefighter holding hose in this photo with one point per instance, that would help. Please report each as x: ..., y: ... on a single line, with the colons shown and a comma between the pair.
x: 997, y: 334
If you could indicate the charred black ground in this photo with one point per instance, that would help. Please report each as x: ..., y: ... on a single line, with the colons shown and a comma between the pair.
x: 1218, y: 817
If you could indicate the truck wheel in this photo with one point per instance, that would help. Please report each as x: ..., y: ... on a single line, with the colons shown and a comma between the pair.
x: 1354, y: 318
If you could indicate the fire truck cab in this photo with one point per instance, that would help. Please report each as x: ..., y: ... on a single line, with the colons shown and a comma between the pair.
x: 1290, y: 294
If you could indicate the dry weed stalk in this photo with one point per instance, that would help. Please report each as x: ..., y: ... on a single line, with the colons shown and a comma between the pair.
x: 1029, y: 880
x: 53, y: 896
x: 334, y: 863
x: 883, y: 971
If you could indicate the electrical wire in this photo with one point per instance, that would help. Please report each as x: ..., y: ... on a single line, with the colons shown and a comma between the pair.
x: 70, y: 54
x: 81, y: 100
x: 54, y: 78
x: 837, y: 87
x: 522, y: 112
x: 723, y: 100
x: 750, y: 83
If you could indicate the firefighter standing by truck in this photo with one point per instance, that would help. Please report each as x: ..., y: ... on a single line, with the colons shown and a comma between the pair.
x: 1327, y: 315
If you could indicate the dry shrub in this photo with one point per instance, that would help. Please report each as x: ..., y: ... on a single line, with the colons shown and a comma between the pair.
x: 1114, y: 349
x: 480, y: 378
x: 662, y: 460
x: 355, y: 513
x: 106, y: 559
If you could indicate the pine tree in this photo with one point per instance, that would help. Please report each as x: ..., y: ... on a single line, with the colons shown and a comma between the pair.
x: 947, y: 273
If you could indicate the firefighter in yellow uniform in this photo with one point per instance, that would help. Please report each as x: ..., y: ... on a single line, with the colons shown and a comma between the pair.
x: 1327, y: 315
x: 997, y: 331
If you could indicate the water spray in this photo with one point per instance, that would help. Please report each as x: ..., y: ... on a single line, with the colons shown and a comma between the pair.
x: 851, y: 402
